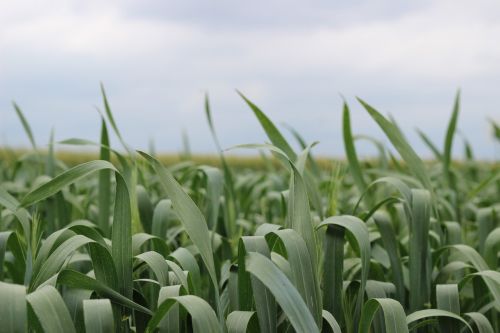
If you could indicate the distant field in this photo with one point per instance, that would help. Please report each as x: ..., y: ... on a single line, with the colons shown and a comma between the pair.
x: 257, y: 162
x: 72, y: 158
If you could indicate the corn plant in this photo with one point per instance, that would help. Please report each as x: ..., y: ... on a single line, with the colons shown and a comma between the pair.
x: 127, y: 244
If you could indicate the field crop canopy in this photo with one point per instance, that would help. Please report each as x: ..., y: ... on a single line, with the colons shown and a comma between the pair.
x: 125, y: 242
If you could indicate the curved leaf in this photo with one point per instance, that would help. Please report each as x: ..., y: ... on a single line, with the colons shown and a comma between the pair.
x: 66, y: 178
x: 98, y: 316
x: 359, y: 231
x: 239, y: 321
x: 285, y: 293
x: 203, y: 316
x: 431, y: 313
x: 394, y: 315
x: 50, y: 310
x: 13, y: 312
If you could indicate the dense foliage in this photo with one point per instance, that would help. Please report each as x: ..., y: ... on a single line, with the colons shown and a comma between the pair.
x: 125, y: 243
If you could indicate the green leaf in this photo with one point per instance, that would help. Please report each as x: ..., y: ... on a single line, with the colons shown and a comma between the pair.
x: 394, y: 315
x: 266, y: 309
x: 431, y: 145
x: 468, y: 254
x: 357, y: 228
x: 447, y: 298
x: 82, y: 142
x: 272, y: 132
x: 414, y: 162
x: 50, y: 161
x: 170, y: 323
x: 482, y: 323
x: 188, y: 262
x: 157, y: 264
x: 145, y: 208
x: 394, y: 182
x: 240, y: 322
x: 98, y: 316
x: 112, y: 121
x: 495, y: 174
x: 66, y: 178
x: 181, y: 276
x: 419, y: 249
x: 26, y: 125
x: 331, y: 321
x: 280, y: 142
x: 229, y: 189
x: 215, y: 187
x: 333, y: 270
x: 191, y: 217
x: 412, y: 318
x: 74, y: 302
x: 486, y: 222
x: 390, y: 243
x: 13, y: 312
x: 162, y: 215
x: 54, y: 263
x: 492, y: 281
x: 141, y: 240
x: 448, y: 143
x: 299, y: 216
x: 491, y: 248
x: 350, y: 151
x: 74, y: 279
x: 304, y: 276
x: 10, y: 239
x: 103, y: 271
x: 314, y: 165
x: 496, y: 129
x: 50, y: 310
x: 203, y: 316
x: 23, y: 217
x: 121, y: 238
x: 104, y: 182
x: 285, y: 293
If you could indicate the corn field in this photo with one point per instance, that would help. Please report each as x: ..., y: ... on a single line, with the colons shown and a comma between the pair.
x: 126, y: 244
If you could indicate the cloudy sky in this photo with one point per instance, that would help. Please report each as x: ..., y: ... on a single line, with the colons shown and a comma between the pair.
x: 292, y: 58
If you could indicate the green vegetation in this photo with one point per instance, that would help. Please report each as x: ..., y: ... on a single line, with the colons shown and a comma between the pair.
x: 123, y: 242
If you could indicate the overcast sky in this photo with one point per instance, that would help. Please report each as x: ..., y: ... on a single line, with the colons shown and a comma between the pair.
x: 292, y: 58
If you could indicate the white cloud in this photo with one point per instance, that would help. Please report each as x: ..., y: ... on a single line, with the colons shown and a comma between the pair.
x: 443, y: 40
